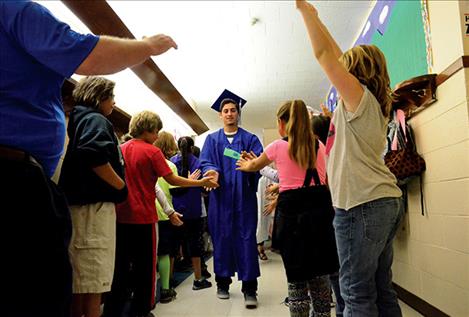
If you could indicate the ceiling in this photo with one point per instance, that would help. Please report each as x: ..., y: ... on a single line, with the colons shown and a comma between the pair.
x: 220, y: 47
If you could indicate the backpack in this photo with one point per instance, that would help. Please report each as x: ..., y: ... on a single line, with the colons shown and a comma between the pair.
x: 401, y: 157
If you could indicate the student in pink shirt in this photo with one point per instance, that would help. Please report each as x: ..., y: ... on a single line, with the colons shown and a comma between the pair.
x: 304, y: 232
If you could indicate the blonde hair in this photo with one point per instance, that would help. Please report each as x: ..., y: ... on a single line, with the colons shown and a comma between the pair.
x: 167, y: 144
x: 91, y: 90
x: 368, y: 64
x: 144, y: 121
x: 301, y: 141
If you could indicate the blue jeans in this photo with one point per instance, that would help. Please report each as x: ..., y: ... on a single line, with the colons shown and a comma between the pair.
x: 364, y: 236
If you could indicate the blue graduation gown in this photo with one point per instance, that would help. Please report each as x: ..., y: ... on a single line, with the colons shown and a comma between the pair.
x: 188, y: 200
x: 232, y: 212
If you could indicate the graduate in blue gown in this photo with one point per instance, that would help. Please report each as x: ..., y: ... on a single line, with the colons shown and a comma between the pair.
x: 232, y: 211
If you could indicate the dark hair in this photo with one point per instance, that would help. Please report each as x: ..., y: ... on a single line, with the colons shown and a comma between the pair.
x: 185, y: 145
x: 227, y: 101
x: 196, y: 151
x: 320, y: 125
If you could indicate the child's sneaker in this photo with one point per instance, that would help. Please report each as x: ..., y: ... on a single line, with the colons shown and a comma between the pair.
x: 167, y: 295
x: 201, y: 285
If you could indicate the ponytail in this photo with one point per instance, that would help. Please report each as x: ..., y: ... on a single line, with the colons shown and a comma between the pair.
x: 185, y: 147
x: 301, y: 141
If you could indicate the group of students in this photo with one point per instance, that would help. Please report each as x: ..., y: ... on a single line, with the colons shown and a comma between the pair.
x: 111, y: 192
x: 338, y: 206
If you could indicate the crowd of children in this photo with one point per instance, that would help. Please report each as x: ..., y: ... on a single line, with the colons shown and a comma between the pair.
x: 136, y: 206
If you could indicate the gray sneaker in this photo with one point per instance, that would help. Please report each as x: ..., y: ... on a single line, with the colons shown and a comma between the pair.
x: 250, y: 300
x: 223, y: 293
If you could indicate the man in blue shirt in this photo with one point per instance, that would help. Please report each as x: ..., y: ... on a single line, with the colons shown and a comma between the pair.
x: 37, y: 52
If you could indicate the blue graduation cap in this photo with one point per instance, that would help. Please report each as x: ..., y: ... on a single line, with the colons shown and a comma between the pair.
x: 228, y: 97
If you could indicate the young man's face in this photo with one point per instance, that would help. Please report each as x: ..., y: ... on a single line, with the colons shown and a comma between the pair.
x: 229, y: 114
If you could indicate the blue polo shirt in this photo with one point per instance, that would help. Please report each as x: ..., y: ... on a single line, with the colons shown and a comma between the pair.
x: 37, y: 53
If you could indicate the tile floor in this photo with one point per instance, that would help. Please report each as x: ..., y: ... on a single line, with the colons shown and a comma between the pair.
x: 272, y: 291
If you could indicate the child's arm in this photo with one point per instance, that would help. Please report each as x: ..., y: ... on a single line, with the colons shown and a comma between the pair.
x: 326, y: 52
x: 186, y: 182
x: 107, y: 174
x: 247, y: 164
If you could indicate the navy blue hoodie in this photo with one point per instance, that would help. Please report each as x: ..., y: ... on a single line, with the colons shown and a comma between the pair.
x: 92, y: 143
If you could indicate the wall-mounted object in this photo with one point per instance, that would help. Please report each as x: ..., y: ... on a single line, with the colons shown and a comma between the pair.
x: 414, y: 94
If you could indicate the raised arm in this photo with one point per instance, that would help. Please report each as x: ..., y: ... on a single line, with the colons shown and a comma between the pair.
x: 112, y: 54
x: 327, y: 53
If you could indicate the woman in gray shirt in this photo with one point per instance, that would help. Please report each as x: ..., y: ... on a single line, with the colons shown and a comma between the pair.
x: 365, y: 196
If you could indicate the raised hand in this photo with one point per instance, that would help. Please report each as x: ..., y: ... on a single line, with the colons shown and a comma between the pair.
x: 195, y: 174
x: 175, y: 219
x: 242, y: 164
x: 325, y: 111
x: 160, y: 43
x: 248, y: 156
x: 303, y: 5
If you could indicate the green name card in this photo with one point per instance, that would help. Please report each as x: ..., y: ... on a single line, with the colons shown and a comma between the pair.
x: 231, y: 153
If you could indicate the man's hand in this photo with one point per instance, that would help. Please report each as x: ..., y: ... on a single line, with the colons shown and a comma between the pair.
x: 160, y: 43
x: 175, y: 219
x: 214, y: 175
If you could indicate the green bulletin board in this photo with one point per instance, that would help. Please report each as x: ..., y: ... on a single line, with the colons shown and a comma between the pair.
x: 403, y: 43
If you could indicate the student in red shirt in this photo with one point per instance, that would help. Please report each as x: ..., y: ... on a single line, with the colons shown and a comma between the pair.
x: 136, y: 234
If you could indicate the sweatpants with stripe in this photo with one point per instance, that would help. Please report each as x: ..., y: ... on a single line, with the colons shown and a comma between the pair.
x: 135, y: 270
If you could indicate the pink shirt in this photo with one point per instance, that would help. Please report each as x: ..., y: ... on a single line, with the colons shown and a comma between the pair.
x: 290, y: 174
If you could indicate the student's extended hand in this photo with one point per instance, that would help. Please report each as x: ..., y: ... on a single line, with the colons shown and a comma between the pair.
x: 248, y: 156
x: 160, y: 43
x: 195, y: 174
x: 213, y: 175
x: 243, y: 164
x: 175, y: 219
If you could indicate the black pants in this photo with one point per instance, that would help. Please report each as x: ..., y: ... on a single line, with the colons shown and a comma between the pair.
x: 134, y: 272
x: 248, y: 287
x: 34, y: 236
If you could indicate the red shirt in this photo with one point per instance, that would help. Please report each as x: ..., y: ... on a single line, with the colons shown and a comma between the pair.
x: 144, y: 163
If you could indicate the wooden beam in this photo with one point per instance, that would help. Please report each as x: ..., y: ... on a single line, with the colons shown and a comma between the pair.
x: 101, y: 19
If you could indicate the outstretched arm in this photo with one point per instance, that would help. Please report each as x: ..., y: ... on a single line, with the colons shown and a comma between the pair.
x: 186, y: 182
x: 113, y: 54
x: 252, y: 165
x: 327, y: 53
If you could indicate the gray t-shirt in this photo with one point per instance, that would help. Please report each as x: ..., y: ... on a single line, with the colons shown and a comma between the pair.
x: 355, y: 167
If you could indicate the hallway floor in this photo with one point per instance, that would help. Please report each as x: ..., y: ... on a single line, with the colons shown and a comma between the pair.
x: 272, y: 292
